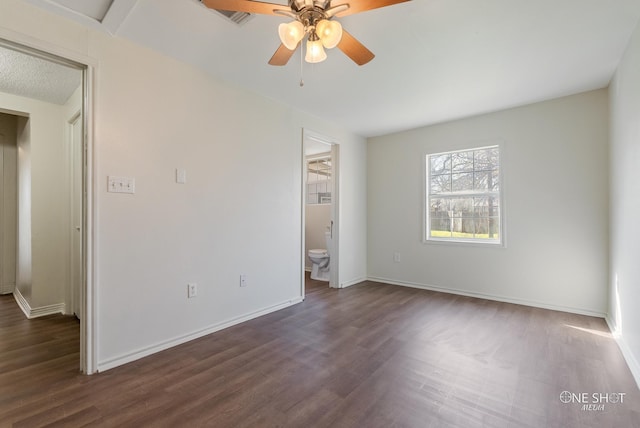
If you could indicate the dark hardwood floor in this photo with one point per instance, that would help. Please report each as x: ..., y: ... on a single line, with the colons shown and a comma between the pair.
x: 372, y: 355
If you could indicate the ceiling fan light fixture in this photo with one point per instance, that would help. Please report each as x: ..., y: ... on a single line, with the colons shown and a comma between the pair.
x: 313, y: 20
x: 315, y: 51
x: 291, y: 34
x: 330, y: 33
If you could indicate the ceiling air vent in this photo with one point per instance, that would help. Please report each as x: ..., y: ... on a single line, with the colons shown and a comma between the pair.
x: 238, y: 18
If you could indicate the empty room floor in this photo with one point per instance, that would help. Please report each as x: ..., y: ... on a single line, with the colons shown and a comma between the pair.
x: 371, y: 355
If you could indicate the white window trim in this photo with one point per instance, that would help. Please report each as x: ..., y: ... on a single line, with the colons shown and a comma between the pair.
x: 426, y: 239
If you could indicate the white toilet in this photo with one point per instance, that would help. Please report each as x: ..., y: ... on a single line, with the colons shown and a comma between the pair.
x: 320, y: 259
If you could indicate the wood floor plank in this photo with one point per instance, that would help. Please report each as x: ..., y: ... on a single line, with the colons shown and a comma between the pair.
x: 372, y: 355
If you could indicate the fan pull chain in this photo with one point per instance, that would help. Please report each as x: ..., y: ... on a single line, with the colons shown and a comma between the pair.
x: 301, y: 81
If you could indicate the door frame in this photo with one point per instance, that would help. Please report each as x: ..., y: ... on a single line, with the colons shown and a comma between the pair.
x: 75, y: 177
x: 46, y: 50
x: 334, y: 281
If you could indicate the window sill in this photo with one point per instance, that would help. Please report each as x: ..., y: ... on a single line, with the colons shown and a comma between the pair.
x: 466, y: 243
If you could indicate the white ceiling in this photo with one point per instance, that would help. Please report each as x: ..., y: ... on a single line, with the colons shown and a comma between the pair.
x: 94, y: 9
x: 436, y: 60
x: 33, y: 77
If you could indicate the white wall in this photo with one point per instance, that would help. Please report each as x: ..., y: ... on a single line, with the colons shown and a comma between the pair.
x: 232, y: 217
x: 49, y: 205
x: 8, y: 204
x: 154, y: 114
x: 23, y: 242
x: 43, y: 205
x: 353, y: 213
x: 624, y: 298
x: 555, y: 183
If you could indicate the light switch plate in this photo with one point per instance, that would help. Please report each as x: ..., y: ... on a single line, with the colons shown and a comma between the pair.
x: 181, y: 175
x: 192, y: 290
x: 121, y: 184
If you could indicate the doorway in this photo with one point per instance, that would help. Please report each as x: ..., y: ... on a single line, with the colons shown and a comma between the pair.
x: 53, y: 173
x: 320, y: 201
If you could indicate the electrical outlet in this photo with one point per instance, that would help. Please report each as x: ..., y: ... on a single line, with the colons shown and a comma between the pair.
x: 396, y: 257
x: 192, y: 290
x: 243, y: 280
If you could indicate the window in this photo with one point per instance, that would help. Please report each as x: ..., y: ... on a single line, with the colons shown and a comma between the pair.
x: 463, y: 196
x: 319, y: 180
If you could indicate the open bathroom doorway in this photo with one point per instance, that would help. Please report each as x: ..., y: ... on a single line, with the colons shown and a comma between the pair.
x: 320, y: 201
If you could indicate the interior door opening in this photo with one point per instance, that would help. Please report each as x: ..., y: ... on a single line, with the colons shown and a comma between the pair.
x: 320, y: 201
x: 52, y: 199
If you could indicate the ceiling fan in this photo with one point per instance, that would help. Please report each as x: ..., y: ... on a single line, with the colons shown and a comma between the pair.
x: 312, y: 19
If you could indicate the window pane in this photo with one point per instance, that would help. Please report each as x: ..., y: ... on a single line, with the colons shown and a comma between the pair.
x: 487, y: 228
x: 494, y: 184
x: 439, y: 217
x: 440, y: 184
x: 486, y: 159
x: 481, y: 207
x: 482, y: 228
x: 462, y: 207
x: 481, y: 180
x: 494, y: 227
x: 439, y: 208
x: 440, y: 164
x: 483, y: 160
x: 494, y: 206
x: 486, y: 206
x: 462, y: 161
x: 464, y: 227
x: 462, y: 182
x: 440, y: 228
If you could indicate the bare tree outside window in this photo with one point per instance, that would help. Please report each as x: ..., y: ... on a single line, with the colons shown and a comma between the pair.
x: 463, y: 195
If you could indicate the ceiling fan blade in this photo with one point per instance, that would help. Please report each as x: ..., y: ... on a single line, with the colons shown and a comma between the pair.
x: 357, y: 6
x: 244, y: 6
x: 336, y: 10
x: 354, y: 49
x: 282, y: 56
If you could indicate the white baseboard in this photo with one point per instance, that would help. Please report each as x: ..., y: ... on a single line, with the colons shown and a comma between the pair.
x: 36, y: 312
x: 144, y: 352
x: 631, y: 360
x: 494, y: 297
x: 352, y: 282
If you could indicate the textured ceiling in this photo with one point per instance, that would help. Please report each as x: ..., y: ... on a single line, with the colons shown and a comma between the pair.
x: 32, y: 77
x: 436, y: 60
